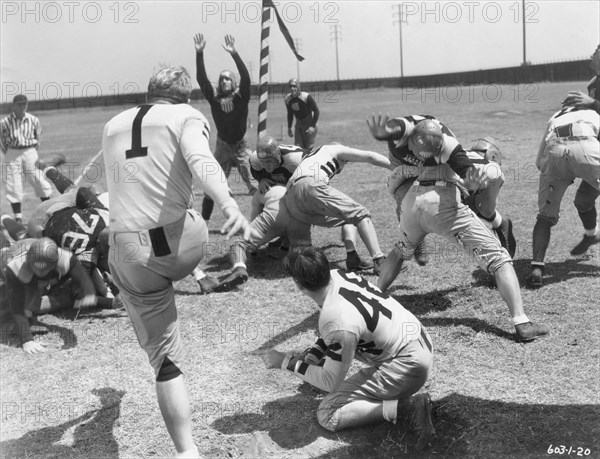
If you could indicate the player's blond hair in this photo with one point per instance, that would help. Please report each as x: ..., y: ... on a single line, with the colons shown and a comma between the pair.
x: 172, y: 83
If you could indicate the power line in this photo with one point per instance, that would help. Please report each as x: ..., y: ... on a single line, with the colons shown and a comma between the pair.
x: 398, y: 10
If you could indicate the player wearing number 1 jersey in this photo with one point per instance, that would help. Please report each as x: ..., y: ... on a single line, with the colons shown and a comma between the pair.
x: 358, y: 320
x: 155, y: 236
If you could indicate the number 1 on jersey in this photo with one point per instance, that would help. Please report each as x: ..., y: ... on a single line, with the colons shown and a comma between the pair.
x: 136, y: 135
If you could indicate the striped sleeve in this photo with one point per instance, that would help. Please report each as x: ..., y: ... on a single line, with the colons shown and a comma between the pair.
x: 341, y: 346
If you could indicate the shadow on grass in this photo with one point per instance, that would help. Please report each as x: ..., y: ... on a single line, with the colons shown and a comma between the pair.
x: 309, y: 323
x: 8, y: 334
x: 466, y: 427
x: 559, y: 271
x: 424, y: 303
x: 87, y: 435
x: 477, y: 325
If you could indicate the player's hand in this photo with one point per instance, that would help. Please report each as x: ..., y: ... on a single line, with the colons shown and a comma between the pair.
x: 310, y: 130
x: 577, y: 99
x: 476, y: 179
x: 265, y: 185
x: 290, y: 132
x: 229, y: 44
x: 32, y: 347
x: 200, y: 42
x: 273, y: 359
x: 235, y: 222
x: 377, y: 126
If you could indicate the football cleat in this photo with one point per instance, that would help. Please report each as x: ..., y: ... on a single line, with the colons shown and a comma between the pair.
x: 415, y: 415
x: 354, y: 263
x: 535, y: 279
x: 529, y: 331
x: 585, y: 244
x: 377, y: 265
x: 421, y: 255
x: 207, y: 285
x: 54, y: 160
x: 237, y: 277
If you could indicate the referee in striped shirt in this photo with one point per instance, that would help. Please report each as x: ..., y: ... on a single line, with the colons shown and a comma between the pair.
x: 19, y: 140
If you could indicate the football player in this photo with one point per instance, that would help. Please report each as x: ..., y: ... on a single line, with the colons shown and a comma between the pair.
x: 32, y: 266
x: 432, y: 204
x: 357, y: 320
x: 485, y: 156
x: 302, y: 106
x: 568, y: 150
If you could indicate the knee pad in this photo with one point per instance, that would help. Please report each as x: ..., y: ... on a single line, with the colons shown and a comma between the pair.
x: 168, y: 370
x: 551, y: 220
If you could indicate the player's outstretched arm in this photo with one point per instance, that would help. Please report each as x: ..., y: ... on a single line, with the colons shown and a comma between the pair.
x: 201, y: 76
x: 360, y: 156
x: 229, y: 46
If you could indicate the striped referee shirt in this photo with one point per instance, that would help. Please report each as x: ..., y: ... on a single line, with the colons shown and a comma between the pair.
x: 19, y: 133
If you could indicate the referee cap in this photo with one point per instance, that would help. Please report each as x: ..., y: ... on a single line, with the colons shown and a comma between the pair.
x: 19, y: 99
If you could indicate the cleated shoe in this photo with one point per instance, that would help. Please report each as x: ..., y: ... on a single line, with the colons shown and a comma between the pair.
x: 354, y: 263
x: 377, y: 265
x: 207, y: 285
x: 420, y: 254
x: 535, y: 279
x: 415, y: 415
x: 585, y: 244
x: 529, y: 331
x: 237, y: 277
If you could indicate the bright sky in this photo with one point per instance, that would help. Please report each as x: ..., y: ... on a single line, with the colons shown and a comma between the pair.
x: 82, y: 48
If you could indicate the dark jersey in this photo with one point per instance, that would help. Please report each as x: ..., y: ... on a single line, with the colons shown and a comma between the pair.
x: 77, y: 230
x: 400, y: 151
x: 229, y: 113
x: 291, y: 156
x: 302, y: 107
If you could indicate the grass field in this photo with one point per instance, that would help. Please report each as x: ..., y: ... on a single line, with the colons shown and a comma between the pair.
x: 93, y: 394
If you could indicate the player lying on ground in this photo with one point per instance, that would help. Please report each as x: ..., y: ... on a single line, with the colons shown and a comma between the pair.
x: 31, y: 266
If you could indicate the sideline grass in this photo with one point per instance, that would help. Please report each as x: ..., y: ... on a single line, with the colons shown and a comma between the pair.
x: 93, y: 396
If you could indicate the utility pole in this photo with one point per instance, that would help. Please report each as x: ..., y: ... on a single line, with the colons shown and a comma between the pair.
x: 298, y: 44
x: 398, y: 11
x: 337, y: 35
x: 524, y: 39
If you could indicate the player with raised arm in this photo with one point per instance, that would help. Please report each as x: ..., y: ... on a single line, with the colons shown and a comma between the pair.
x: 229, y: 108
